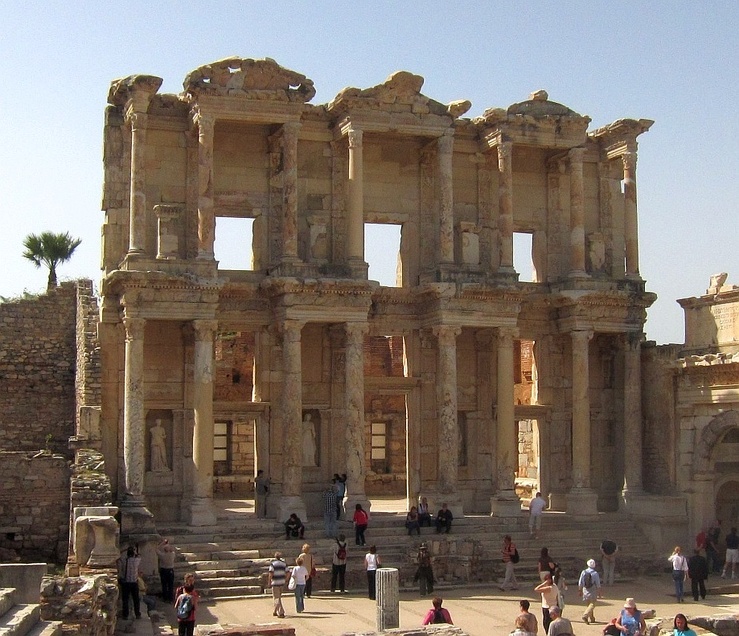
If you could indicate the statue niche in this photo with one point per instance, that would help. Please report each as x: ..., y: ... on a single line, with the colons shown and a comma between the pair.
x: 160, y: 443
x: 311, y: 432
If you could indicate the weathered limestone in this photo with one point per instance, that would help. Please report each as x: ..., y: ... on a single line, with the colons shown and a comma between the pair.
x: 133, y: 424
x: 354, y: 414
x: 95, y: 541
x: 388, y: 599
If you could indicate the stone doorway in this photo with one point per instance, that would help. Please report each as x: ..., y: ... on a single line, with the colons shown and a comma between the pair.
x: 727, y: 504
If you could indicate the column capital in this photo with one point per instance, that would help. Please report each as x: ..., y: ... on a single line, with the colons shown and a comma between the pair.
x: 354, y: 136
x: 505, y: 152
x: 507, y: 334
x: 136, y: 120
x: 291, y: 128
x: 575, y: 155
x: 290, y: 329
x: 204, y: 329
x: 205, y: 122
x: 629, y: 160
x: 446, y: 334
x: 582, y: 335
x: 134, y: 327
x: 356, y: 330
x: 445, y: 143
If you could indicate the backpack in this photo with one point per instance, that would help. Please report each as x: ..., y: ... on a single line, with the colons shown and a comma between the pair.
x: 439, y: 616
x: 515, y: 557
x: 587, y: 580
x: 184, y: 607
x: 341, y: 552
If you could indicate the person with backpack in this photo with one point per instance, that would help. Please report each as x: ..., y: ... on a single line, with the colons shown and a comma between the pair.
x: 437, y: 614
x: 425, y: 572
x: 185, y: 607
x: 338, y: 565
x: 510, y: 558
x: 589, y: 586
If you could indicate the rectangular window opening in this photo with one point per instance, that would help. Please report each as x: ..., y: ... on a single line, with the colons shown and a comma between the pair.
x: 221, y: 448
x: 523, y: 256
x: 382, y: 253
x: 234, y: 242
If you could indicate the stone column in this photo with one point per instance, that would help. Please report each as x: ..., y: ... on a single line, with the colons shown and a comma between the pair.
x: 446, y: 405
x: 505, y: 502
x: 632, y: 416
x: 388, y: 599
x: 577, y: 213
x: 446, y: 198
x: 631, y: 229
x: 168, y: 217
x: 355, y: 226
x: 289, y: 416
x: 354, y: 415
x: 505, y: 205
x: 290, y: 190
x: 137, y: 219
x: 581, y: 500
x: 206, y: 216
x: 201, y: 506
x: 134, y: 433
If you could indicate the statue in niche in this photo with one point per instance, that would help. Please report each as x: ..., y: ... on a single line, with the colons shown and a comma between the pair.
x: 159, y: 462
x: 309, y: 441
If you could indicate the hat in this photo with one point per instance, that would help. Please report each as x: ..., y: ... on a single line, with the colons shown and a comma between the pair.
x: 591, y: 563
x: 630, y: 603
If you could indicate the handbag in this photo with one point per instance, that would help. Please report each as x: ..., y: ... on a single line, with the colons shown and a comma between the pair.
x: 313, y: 572
x: 291, y: 583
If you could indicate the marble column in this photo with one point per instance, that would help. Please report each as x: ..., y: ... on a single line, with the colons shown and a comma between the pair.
x: 387, y: 587
x: 290, y: 190
x: 581, y: 500
x: 505, y: 502
x: 505, y: 205
x: 446, y: 198
x: 137, y: 215
x: 134, y: 430
x: 577, y: 213
x: 354, y: 415
x: 201, y: 505
x: 631, y: 229
x: 632, y: 416
x: 446, y: 406
x: 355, y: 195
x: 206, y: 215
x: 289, y: 416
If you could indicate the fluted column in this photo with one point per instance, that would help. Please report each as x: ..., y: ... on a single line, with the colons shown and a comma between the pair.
x: 354, y: 414
x: 505, y: 502
x: 355, y: 230
x: 134, y: 433
x: 577, y: 213
x: 446, y: 198
x: 505, y: 204
x: 290, y: 407
x: 201, y: 511
x: 206, y: 216
x: 631, y: 228
x: 290, y: 189
x: 632, y: 415
x: 137, y: 209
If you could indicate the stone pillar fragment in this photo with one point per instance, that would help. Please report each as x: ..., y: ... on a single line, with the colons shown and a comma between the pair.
x: 354, y: 415
x: 577, y: 213
x: 505, y: 205
x: 633, y: 442
x: 355, y: 229
x: 388, y: 599
x: 206, y: 215
x: 290, y: 190
x: 631, y: 229
x: 446, y: 198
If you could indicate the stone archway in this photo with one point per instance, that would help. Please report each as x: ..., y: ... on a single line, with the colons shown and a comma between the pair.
x: 709, y: 436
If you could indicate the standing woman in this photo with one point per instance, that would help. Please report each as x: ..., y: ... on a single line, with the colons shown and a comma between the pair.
x: 679, y: 571
x: 309, y: 565
x: 546, y: 564
x: 300, y: 575
x: 361, y: 520
x: 549, y: 596
x: 371, y: 563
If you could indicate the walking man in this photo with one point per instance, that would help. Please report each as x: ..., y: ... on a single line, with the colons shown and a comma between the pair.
x: 277, y: 580
x: 261, y: 491
x: 589, y: 586
x: 536, y: 507
x: 698, y: 573
x: 510, y: 558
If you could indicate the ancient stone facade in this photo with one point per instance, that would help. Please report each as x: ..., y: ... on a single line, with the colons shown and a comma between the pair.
x: 436, y: 409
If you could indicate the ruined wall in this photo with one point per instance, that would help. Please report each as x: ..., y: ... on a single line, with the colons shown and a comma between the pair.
x: 37, y: 370
x: 88, y: 372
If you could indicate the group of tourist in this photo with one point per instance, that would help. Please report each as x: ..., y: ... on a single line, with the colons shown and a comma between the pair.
x: 420, y: 515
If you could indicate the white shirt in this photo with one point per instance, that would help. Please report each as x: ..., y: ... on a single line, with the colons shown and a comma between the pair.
x: 537, y: 505
x: 371, y: 560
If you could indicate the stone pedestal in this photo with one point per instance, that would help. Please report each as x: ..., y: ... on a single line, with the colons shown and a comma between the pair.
x: 505, y: 505
x: 388, y: 599
x: 582, y: 503
x: 288, y: 504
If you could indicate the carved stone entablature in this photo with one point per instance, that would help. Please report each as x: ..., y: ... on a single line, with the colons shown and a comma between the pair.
x: 399, y: 93
x: 709, y: 360
x: 251, y: 79
x: 134, y: 89
x: 620, y: 136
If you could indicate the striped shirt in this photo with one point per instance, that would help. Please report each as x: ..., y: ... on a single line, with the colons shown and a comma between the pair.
x: 278, y: 570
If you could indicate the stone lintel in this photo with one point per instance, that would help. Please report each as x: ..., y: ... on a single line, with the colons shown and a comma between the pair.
x: 232, y: 109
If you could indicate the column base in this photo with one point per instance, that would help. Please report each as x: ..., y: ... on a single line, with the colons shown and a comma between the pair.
x: 286, y: 505
x: 505, y: 504
x: 136, y: 519
x: 452, y: 500
x: 351, y: 501
x: 582, y: 503
x: 200, y: 512
x: 578, y: 273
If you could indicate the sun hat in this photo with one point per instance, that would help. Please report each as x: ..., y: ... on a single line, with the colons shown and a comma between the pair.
x: 630, y: 603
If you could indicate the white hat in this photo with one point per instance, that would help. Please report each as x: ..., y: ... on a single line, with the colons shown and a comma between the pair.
x: 630, y: 603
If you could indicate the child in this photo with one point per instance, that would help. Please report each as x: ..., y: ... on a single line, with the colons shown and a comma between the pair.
x: 186, y: 619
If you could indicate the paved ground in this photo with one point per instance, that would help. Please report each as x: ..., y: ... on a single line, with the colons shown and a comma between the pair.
x: 479, y: 611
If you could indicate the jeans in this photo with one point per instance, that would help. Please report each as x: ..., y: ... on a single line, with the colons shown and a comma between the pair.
x: 679, y: 577
x: 359, y: 534
x: 609, y: 570
x: 338, y: 575
x: 299, y: 598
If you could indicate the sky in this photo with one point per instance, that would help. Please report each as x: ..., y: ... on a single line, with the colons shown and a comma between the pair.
x: 674, y: 62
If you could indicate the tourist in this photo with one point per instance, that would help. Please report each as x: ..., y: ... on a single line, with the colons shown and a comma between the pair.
x: 329, y: 510
x: 714, y: 535
x: 559, y: 626
x: 545, y: 564
x: 536, y: 507
x: 589, y: 586
x: 531, y: 624
x: 186, y: 604
x: 437, y: 614
x: 300, y: 575
x: 424, y: 572
x: 712, y: 556
x: 276, y: 579
x: 680, y: 626
x: 294, y: 528
x: 608, y: 551
x: 340, y: 482
x: 698, y: 573
x: 521, y: 627
x: 612, y: 628
x: 424, y: 512
x: 510, y: 558
x: 338, y: 565
x: 679, y: 571
x: 444, y: 520
x: 261, y: 492
x: 165, y: 555
x: 411, y: 522
x: 549, y: 595
x: 561, y: 583
x: 630, y: 621
x: 361, y: 521
x: 128, y: 575
x: 732, y: 553
x: 310, y: 565
x: 700, y: 539
x: 371, y: 563
x: 187, y: 580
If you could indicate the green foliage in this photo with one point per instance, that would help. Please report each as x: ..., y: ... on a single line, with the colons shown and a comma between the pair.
x: 50, y: 249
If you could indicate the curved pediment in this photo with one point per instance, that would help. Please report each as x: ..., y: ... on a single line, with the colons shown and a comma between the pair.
x: 127, y: 88
x: 250, y: 79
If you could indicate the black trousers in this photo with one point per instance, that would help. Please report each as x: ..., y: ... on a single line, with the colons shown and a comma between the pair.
x: 166, y: 576
x: 371, y: 589
x: 130, y: 590
x: 698, y: 585
x: 338, y: 576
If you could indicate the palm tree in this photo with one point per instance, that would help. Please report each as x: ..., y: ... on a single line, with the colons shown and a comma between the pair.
x: 50, y: 249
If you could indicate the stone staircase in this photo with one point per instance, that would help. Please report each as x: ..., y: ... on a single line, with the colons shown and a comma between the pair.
x: 23, y: 619
x: 231, y: 559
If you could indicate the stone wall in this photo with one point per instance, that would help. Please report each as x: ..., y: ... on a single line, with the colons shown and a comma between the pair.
x: 88, y: 371
x: 34, y: 510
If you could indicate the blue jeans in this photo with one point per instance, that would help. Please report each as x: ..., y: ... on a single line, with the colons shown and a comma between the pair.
x: 679, y: 577
x: 329, y: 521
x: 299, y: 598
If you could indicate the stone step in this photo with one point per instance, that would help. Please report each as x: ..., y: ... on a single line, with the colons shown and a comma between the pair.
x: 230, y: 581
x: 237, y: 591
x: 7, y: 599
x: 19, y: 620
x: 44, y: 628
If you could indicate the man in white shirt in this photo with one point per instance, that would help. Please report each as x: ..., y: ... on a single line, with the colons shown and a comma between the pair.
x: 536, y: 506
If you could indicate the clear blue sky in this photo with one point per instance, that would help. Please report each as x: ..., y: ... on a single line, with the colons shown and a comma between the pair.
x: 674, y: 62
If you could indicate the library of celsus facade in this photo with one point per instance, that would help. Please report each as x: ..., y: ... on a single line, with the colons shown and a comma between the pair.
x: 461, y: 382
